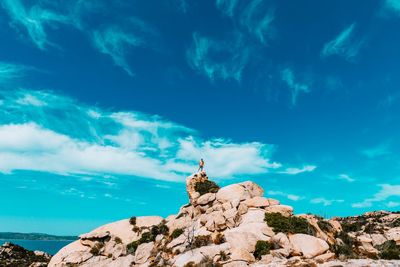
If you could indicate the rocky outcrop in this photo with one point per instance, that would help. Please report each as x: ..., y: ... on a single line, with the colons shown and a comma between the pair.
x: 235, y: 226
x: 14, y: 255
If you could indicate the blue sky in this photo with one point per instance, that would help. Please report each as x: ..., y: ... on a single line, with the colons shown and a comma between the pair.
x: 105, y: 107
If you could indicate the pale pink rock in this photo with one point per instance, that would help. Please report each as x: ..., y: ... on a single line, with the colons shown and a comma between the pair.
x: 309, y: 246
x: 282, y: 209
x: 257, y: 202
x: 253, y: 215
x: 143, y: 252
x: 205, y: 199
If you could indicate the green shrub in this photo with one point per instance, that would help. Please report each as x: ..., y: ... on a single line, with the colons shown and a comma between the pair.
x: 162, y: 229
x: 148, y: 236
x: 395, y: 223
x: 118, y: 240
x: 345, y: 249
x: 223, y: 256
x: 132, y: 220
x: 95, y: 250
x: 177, y: 232
x: 262, y: 248
x: 325, y: 226
x: 293, y: 225
x: 206, y: 187
x: 389, y: 250
x: 219, y: 239
x: 201, y: 241
x: 351, y: 226
x: 131, y: 248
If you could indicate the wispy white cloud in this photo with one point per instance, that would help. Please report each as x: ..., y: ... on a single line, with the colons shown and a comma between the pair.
x: 218, y: 59
x: 343, y: 45
x: 33, y: 20
x: 325, y: 202
x: 346, y: 178
x: 117, y: 42
x: 392, y: 204
x: 227, y: 6
x: 294, y: 171
x: 296, y: 87
x: 386, y: 191
x: 51, y: 133
x: 393, y: 6
x: 286, y: 195
x: 258, y: 18
x: 182, y: 5
x: 378, y: 151
x: 10, y: 72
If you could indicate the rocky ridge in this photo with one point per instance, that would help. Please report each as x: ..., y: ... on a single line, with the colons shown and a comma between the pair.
x: 12, y: 255
x: 237, y: 226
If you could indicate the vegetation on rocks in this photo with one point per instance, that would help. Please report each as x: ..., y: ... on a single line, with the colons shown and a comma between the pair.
x: 389, y: 250
x: 292, y: 225
x: 201, y: 241
x: 262, y: 248
x: 132, y: 220
x: 15, y: 256
x: 228, y: 227
x: 149, y: 236
x: 95, y: 250
x: 324, y: 225
x: 345, y: 247
x: 206, y: 186
x: 177, y: 232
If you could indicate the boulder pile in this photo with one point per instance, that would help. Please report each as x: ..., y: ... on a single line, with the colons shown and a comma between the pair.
x: 236, y: 226
x: 14, y: 255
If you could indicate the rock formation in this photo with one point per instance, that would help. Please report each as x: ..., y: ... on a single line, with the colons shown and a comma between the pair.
x: 14, y: 255
x: 237, y: 226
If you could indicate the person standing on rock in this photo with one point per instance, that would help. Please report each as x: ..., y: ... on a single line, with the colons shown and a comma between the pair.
x: 201, y: 165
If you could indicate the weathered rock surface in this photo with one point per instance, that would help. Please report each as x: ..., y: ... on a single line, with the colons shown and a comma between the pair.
x: 236, y: 226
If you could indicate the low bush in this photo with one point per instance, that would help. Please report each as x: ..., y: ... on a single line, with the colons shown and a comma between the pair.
x: 346, y: 248
x: 148, y: 236
x: 118, y: 240
x: 395, y: 223
x: 292, y: 225
x: 201, y: 241
x: 262, y: 248
x: 132, y: 220
x: 95, y: 250
x: 389, y: 250
x: 177, y: 232
x: 223, y: 256
x: 352, y: 226
x: 206, y: 187
x: 131, y: 248
x: 325, y: 225
x: 219, y: 239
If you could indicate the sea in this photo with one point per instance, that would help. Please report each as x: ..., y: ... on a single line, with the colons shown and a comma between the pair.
x: 49, y: 246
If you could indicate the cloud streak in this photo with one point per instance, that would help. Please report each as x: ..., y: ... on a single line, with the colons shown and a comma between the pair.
x: 227, y: 6
x: 10, y: 72
x: 258, y: 18
x: 34, y: 20
x: 116, y: 42
x: 325, y: 202
x: 59, y: 135
x: 283, y: 194
x: 296, y: 87
x: 386, y: 191
x: 218, y: 59
x: 343, y: 45
x: 294, y: 171
x: 393, y: 6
